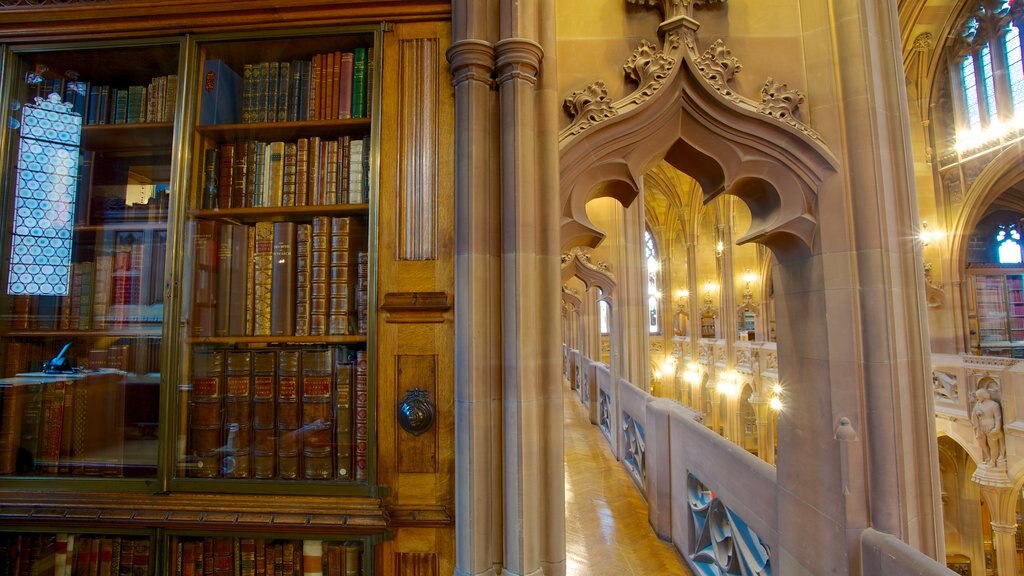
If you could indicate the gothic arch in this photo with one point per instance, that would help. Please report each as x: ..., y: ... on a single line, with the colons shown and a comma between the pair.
x: 576, y: 263
x: 1002, y: 172
x: 685, y: 112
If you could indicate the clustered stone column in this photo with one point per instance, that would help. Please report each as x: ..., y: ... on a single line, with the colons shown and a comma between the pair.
x: 509, y: 485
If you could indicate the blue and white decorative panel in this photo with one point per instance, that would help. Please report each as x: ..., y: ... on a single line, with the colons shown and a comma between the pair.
x: 604, y: 411
x: 44, y: 204
x: 634, y: 450
x: 724, y: 544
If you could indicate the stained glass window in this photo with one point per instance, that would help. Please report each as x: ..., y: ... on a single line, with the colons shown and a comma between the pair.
x: 988, y: 81
x: 1008, y: 241
x: 653, y: 295
x: 1015, y: 68
x: 970, y: 87
x: 44, y: 204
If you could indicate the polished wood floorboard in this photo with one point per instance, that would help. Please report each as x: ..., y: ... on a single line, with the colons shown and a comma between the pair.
x: 606, y: 528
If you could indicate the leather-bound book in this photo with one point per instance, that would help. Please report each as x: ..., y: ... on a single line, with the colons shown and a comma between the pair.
x: 238, y: 415
x: 205, y: 413
x: 264, y: 418
x: 263, y: 263
x: 344, y: 380
x: 289, y: 417
x: 317, y: 415
x: 283, y: 293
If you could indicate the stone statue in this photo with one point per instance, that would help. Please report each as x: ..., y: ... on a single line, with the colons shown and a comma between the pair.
x: 987, y: 419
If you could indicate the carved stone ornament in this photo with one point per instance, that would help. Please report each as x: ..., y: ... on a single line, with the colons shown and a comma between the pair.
x: 648, y: 67
x: 416, y: 412
x: 924, y: 42
x: 778, y: 101
x: 934, y: 295
x: 588, y: 106
x: 718, y: 66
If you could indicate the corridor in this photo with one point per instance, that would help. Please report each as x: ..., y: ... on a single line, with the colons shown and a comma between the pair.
x: 606, y: 528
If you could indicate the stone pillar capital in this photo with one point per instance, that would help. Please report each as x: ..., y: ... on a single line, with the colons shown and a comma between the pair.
x: 471, y: 60
x: 998, y: 528
x: 518, y: 59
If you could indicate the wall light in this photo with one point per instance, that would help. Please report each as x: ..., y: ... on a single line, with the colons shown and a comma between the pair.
x: 729, y: 383
x: 928, y: 236
x: 692, y: 373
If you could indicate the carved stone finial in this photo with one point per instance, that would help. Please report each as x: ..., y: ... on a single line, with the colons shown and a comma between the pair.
x: 778, y: 101
x: 648, y: 67
x: 718, y: 66
x: 588, y: 106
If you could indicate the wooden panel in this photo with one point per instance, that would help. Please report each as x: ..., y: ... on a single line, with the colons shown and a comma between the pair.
x: 419, y: 61
x: 416, y: 564
x: 417, y: 453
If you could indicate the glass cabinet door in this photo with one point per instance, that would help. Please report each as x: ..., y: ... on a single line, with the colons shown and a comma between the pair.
x: 87, y: 179
x: 275, y: 308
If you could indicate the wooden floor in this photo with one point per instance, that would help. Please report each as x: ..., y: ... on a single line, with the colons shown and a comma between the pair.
x: 606, y: 528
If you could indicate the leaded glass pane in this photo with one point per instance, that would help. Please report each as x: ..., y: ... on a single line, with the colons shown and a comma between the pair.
x: 44, y: 203
x: 989, y: 82
x: 969, y: 84
x: 1015, y: 67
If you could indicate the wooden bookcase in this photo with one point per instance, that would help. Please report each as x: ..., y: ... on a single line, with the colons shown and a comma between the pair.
x: 997, y: 303
x: 185, y: 381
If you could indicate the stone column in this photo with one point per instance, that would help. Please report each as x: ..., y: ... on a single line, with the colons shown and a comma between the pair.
x: 765, y: 442
x: 1001, y: 499
x: 478, y: 422
x: 533, y: 463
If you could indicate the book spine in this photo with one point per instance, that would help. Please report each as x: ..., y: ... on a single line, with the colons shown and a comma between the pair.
x: 317, y: 420
x: 204, y: 280
x: 362, y: 293
x: 345, y: 172
x: 11, y: 415
x: 273, y: 178
x: 247, y: 556
x: 314, y: 88
x: 238, y: 416
x: 303, y: 261
x: 313, y: 188
x: 223, y: 556
x: 211, y: 178
x: 171, y: 99
x: 140, y: 557
x: 284, y: 83
x: 359, y: 83
x: 345, y: 71
x: 264, y: 418
x: 282, y: 320
x: 362, y: 417
x: 330, y: 165
x: 239, y: 175
x: 238, y: 278
x: 205, y: 423
x: 31, y: 425
x: 53, y: 411
x: 127, y: 557
x: 250, y: 285
x: 225, y: 262
x: 225, y: 176
x: 263, y: 277
x: 344, y: 379
x: 67, y: 429
x: 312, y: 558
x: 273, y: 87
x: 289, y: 437
x: 341, y: 287
x: 262, y: 90
x: 250, y: 80
x: 355, y: 182
x: 319, y: 270
x: 290, y: 176
x: 258, y: 167
x: 302, y: 172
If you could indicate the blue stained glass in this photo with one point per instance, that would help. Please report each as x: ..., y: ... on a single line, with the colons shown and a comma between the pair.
x: 988, y: 80
x: 969, y: 84
x: 44, y: 202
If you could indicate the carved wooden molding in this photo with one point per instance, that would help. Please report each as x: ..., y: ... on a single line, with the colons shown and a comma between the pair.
x: 420, y: 516
x: 416, y: 307
x: 198, y: 512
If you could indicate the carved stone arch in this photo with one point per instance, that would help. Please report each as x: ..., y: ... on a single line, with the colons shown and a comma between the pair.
x: 1003, y: 171
x: 576, y: 263
x: 572, y: 300
x: 693, y: 120
x: 613, y: 179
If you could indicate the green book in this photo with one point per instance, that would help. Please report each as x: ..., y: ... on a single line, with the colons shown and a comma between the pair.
x: 359, y: 83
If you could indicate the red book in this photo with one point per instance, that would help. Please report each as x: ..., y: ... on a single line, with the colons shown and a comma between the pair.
x: 361, y: 420
x: 345, y: 85
x: 140, y: 558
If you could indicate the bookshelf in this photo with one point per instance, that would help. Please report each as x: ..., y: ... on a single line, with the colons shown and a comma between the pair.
x: 227, y: 433
x: 998, y: 302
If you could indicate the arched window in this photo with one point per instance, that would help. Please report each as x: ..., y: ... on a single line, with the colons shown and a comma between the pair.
x: 653, y: 294
x: 604, y: 314
x: 989, y: 73
x: 1008, y: 244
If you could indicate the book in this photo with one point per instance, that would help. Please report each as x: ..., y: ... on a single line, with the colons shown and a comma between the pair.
x: 32, y: 425
x: 205, y: 240
x: 317, y: 418
x: 353, y: 562
x: 356, y: 193
x: 362, y: 293
x: 290, y: 176
x: 284, y: 84
x: 211, y: 178
x: 273, y: 175
x: 345, y: 70
x: 221, y: 94
x: 140, y: 557
x: 302, y: 172
x: 359, y: 82
x: 236, y: 462
x: 344, y: 380
x: 239, y: 173
x: 225, y: 175
x: 225, y: 259
x: 312, y: 558
x: 205, y: 413
x: 264, y: 418
x: 345, y: 241
x: 282, y: 318
x: 303, y: 262
x: 273, y: 83
x: 246, y: 556
x: 361, y: 436
x: 289, y: 437
x: 331, y: 170
x: 319, y: 270
x: 313, y: 106
x: 263, y: 263
x: 237, y: 278
x: 314, y: 188
x: 249, y: 81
